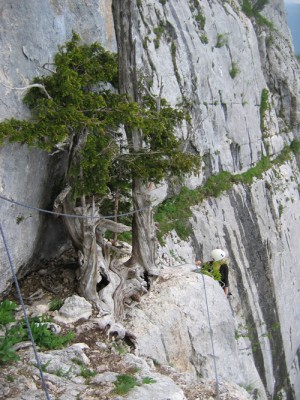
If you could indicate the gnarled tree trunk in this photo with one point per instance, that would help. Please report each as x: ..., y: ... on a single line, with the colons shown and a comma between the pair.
x: 143, y: 228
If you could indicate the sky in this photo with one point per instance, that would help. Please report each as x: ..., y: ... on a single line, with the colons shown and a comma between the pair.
x: 293, y: 14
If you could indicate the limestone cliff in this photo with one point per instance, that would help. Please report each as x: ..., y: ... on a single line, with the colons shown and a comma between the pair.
x: 220, y: 61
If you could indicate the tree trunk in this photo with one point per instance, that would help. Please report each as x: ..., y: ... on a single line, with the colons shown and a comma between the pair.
x: 143, y: 229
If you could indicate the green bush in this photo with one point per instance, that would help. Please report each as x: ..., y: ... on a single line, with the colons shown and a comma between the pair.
x: 56, y: 304
x: 200, y: 19
x: 234, y: 71
x: 86, y: 372
x: 295, y: 146
x: 264, y: 104
x: 147, y: 380
x: 44, y: 338
x: 125, y: 383
x: 18, y: 332
x: 174, y: 213
x: 253, y: 12
x: 222, y: 39
x: 6, y: 312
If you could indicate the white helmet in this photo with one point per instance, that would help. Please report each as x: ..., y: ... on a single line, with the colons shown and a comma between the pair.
x: 217, y: 254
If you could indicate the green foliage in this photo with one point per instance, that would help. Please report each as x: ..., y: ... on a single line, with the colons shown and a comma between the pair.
x: 121, y: 349
x: 200, y: 19
x: 255, y: 172
x: 12, y: 335
x: 217, y: 184
x: 56, y: 304
x: 174, y: 213
x: 253, y: 12
x: 147, y: 380
x: 159, y: 31
x: 260, y: 4
x: 45, y: 339
x: 234, y: 71
x: 163, y: 2
x: 6, y: 312
x: 247, y: 8
x: 86, y: 372
x: 125, y: 383
x: 63, y: 374
x: 77, y: 107
x: 280, y: 210
x: 295, y: 146
x: 222, y: 39
x: 194, y: 4
x: 204, y: 39
x: 264, y: 105
x: 10, y: 378
x: 17, y: 332
x: 250, y: 332
x: 173, y: 54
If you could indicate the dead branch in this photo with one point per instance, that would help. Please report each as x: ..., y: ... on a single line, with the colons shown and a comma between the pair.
x: 37, y: 85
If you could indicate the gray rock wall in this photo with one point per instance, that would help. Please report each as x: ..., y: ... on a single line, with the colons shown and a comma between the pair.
x: 258, y: 227
x: 211, y: 54
x: 179, y: 334
x: 31, y: 32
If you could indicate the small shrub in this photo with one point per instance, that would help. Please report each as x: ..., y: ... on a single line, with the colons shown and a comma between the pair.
x: 120, y: 349
x: 204, y: 39
x: 200, y: 19
x: 44, y: 338
x: 174, y: 213
x: 222, y: 40
x: 56, y: 304
x: 17, y: 333
x: 12, y: 335
x: 125, y: 383
x: 147, y: 380
x: 217, y: 184
x: 295, y: 146
x: 19, y: 219
x: 247, y: 8
x: 10, y: 378
x: 234, y: 71
x: 44, y: 366
x: 77, y: 361
x: 253, y: 12
x: 67, y: 374
x: 159, y: 30
x: 264, y: 104
x: 280, y: 210
x: 6, y: 312
x: 86, y: 372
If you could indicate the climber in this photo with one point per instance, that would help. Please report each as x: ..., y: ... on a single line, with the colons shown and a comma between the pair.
x: 219, y: 262
x: 219, y: 256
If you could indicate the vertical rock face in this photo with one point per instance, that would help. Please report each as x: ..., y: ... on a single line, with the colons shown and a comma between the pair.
x: 212, y: 56
x: 258, y: 227
x: 30, y: 35
x: 179, y: 333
